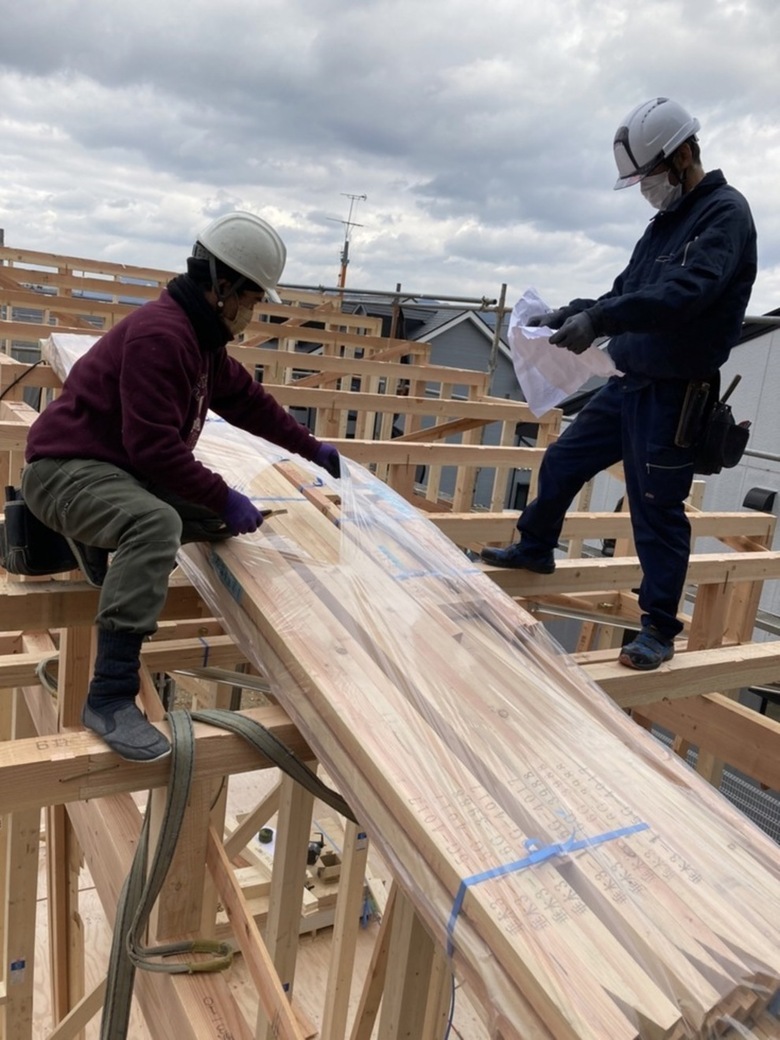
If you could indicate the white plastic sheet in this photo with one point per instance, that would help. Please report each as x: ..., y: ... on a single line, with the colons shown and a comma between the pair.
x: 548, y: 375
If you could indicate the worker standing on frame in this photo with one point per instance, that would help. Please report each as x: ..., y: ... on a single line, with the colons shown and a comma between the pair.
x: 111, y: 464
x: 673, y: 316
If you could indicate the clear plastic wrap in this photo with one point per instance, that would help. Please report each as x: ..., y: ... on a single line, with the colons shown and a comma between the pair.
x: 585, y: 882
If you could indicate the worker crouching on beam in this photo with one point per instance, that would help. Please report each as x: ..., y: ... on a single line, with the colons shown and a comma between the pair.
x: 110, y: 463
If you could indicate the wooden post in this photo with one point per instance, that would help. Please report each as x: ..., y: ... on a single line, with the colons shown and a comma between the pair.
x: 371, y: 997
x: 177, y: 914
x: 6, y: 733
x: 410, y: 978
x: 67, y: 934
x: 63, y: 859
x: 286, y: 896
x: 20, y: 897
x: 66, y: 930
x: 345, y: 930
x: 75, y: 669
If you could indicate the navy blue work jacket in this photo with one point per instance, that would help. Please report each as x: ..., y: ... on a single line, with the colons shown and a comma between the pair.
x: 676, y: 311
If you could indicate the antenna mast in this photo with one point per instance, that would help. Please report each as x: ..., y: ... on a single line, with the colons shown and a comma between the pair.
x: 349, y: 223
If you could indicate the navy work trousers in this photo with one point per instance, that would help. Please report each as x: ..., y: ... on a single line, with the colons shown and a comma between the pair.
x: 633, y: 420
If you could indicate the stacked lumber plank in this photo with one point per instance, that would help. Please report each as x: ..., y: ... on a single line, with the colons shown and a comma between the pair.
x: 586, y: 884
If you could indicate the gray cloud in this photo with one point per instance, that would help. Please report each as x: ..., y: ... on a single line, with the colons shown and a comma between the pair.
x: 481, y: 136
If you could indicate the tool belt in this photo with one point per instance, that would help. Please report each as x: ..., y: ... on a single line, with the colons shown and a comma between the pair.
x: 708, y: 423
x: 26, y: 545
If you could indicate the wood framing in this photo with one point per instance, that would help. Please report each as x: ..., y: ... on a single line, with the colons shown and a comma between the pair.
x: 335, y: 677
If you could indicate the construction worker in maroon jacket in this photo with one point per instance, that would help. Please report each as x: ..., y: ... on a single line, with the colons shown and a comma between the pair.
x: 110, y: 462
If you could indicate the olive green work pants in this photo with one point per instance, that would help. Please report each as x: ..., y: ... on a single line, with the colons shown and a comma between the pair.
x: 103, y: 506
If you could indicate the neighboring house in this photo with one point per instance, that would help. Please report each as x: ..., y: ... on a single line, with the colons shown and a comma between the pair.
x: 462, y: 338
x: 755, y: 482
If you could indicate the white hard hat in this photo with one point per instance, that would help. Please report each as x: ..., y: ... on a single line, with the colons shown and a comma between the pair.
x: 249, y: 245
x: 649, y: 133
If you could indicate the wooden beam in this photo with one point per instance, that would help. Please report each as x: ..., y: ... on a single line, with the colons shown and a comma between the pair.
x: 55, y: 261
x: 13, y: 435
x: 71, y: 1027
x: 745, y: 739
x: 625, y: 572
x: 75, y: 765
x: 253, y: 821
x: 374, y: 982
x: 491, y: 410
x: 188, y: 1007
x: 420, y: 453
x: 159, y: 655
x: 698, y: 671
x: 273, y: 998
x: 441, y: 431
x: 349, y: 366
x: 464, y: 528
x: 40, y: 605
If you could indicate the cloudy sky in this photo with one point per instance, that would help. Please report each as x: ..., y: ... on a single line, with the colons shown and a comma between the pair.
x: 480, y: 134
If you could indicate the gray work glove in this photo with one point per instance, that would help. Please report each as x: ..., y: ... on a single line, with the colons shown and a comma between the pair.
x: 576, y: 334
x: 549, y: 319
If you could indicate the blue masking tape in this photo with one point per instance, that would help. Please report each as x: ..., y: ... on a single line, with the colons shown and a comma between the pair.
x: 537, y: 855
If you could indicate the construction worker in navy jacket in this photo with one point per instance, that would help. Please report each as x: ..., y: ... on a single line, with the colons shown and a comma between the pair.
x: 111, y: 464
x: 673, y: 315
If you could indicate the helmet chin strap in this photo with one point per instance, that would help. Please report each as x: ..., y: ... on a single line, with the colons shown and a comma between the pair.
x: 234, y: 290
x: 679, y: 175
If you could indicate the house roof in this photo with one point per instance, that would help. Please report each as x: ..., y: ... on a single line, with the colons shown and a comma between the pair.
x: 443, y: 320
x: 754, y: 329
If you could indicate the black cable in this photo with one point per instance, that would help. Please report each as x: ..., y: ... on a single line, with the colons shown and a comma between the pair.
x: 20, y: 377
x: 451, y: 1015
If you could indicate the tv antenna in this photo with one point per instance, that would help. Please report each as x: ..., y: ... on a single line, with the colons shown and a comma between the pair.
x: 349, y: 223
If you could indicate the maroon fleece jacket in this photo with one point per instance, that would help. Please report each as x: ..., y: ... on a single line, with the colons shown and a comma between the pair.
x: 138, y: 399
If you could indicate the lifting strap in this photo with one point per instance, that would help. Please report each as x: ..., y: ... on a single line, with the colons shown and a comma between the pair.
x: 140, y: 889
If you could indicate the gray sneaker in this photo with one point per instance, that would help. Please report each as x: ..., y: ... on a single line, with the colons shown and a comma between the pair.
x: 128, y: 732
x: 648, y: 651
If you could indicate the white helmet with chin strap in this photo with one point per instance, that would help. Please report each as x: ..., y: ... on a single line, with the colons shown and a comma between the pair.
x: 248, y: 245
x: 650, y: 133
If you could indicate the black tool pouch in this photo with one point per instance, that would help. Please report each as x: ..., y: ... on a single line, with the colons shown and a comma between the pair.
x: 26, y: 545
x: 722, y: 441
x: 699, y: 397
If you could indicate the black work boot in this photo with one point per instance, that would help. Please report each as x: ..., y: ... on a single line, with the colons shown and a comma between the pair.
x: 540, y: 562
x: 110, y: 709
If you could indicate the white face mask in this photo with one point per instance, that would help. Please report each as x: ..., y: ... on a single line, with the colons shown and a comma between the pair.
x: 239, y: 323
x: 658, y: 191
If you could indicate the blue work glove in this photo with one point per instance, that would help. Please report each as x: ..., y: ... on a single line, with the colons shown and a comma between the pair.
x: 241, y: 516
x: 576, y: 334
x: 549, y: 319
x: 328, y: 457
